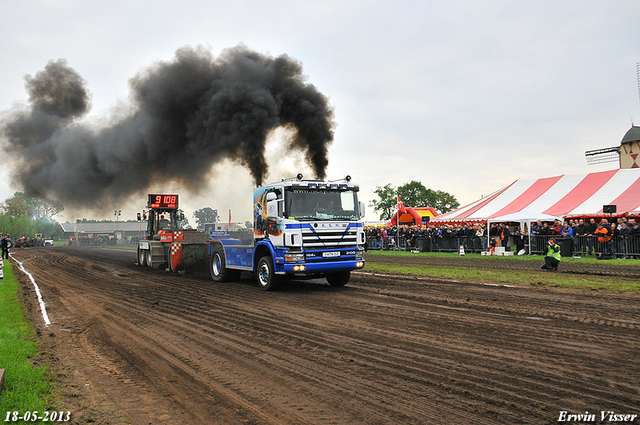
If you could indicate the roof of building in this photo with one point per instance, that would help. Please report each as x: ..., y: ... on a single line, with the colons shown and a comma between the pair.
x: 632, y: 135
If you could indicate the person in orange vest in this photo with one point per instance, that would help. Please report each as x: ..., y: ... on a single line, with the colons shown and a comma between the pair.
x: 603, y: 237
x: 504, y: 234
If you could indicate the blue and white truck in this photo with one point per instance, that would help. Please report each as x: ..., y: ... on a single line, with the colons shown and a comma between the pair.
x: 302, y: 229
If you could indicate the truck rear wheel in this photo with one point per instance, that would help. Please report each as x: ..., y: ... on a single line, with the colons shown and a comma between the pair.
x: 142, y: 257
x: 339, y: 278
x: 267, y: 279
x: 219, y: 270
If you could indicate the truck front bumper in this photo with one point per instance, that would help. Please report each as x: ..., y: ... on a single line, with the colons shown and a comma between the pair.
x: 322, y: 268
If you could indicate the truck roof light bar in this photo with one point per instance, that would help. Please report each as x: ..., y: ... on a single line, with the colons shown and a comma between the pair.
x: 298, y: 177
x: 346, y: 179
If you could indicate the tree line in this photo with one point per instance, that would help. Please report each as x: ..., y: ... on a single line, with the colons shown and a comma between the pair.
x: 23, y: 215
x: 412, y: 194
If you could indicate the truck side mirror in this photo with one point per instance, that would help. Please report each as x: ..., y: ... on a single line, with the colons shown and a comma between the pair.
x: 272, y: 209
x: 272, y: 205
x: 362, y: 211
x: 139, y: 217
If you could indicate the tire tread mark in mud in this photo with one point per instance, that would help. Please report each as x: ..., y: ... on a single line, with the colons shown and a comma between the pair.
x: 348, y: 361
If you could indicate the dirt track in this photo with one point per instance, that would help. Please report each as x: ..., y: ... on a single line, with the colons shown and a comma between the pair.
x: 137, y: 346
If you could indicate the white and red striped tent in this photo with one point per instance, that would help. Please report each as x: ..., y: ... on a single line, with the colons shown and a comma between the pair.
x: 560, y: 196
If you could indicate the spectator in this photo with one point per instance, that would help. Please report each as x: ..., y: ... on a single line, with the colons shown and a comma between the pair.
x: 557, y: 228
x: 481, y: 234
x: 573, y: 224
x: 492, y: 245
x: 591, y: 230
x: 566, y: 232
x: 634, y: 238
x: 604, y: 237
x: 546, y: 230
x: 518, y: 240
x: 470, y: 233
x: 618, y: 240
x: 504, y: 233
x: 580, y: 236
x: 536, y: 227
x: 413, y: 234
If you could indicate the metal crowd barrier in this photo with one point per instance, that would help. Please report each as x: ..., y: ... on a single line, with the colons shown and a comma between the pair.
x: 427, y: 244
x: 619, y: 247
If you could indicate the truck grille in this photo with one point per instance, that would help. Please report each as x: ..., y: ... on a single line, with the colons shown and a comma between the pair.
x: 328, y: 238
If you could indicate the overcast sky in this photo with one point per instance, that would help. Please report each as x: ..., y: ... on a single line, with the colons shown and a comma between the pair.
x: 463, y: 96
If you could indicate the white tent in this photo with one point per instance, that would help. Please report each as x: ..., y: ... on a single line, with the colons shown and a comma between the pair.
x: 565, y: 195
x: 525, y: 218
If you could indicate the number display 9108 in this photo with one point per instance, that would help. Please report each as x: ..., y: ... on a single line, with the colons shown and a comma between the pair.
x: 163, y: 201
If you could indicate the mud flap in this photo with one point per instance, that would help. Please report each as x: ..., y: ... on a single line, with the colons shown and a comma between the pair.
x: 177, y: 262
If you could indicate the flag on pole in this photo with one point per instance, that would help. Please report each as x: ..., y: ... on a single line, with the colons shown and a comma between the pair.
x: 401, y: 207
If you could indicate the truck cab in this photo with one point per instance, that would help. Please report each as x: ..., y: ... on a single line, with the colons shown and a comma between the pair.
x: 303, y: 229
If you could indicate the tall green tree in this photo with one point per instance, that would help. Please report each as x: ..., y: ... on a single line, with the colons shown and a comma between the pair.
x: 20, y: 204
x: 17, y: 226
x: 386, y: 203
x: 412, y: 194
x: 45, y: 208
x: 17, y: 205
x: 22, y: 215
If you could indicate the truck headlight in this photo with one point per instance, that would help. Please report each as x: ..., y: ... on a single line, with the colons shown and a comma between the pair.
x: 293, y: 257
x: 359, y: 255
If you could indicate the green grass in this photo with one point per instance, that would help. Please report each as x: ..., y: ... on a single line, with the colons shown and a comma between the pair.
x: 484, y: 273
x: 26, y: 387
x: 524, y: 258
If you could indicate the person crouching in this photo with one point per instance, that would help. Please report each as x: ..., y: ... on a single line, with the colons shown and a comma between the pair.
x: 552, y: 259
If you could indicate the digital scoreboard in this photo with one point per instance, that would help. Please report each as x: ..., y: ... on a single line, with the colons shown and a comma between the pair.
x: 163, y: 201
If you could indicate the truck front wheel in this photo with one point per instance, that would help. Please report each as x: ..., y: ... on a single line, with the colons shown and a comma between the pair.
x: 338, y: 279
x: 267, y: 278
x: 219, y: 270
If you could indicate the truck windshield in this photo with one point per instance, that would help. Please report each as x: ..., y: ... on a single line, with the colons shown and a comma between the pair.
x: 304, y: 204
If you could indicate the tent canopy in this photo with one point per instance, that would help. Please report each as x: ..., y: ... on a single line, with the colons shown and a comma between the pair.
x: 559, y: 196
x: 524, y: 217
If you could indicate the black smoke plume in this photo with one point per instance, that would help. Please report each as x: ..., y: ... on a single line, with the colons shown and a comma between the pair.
x: 186, y: 116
